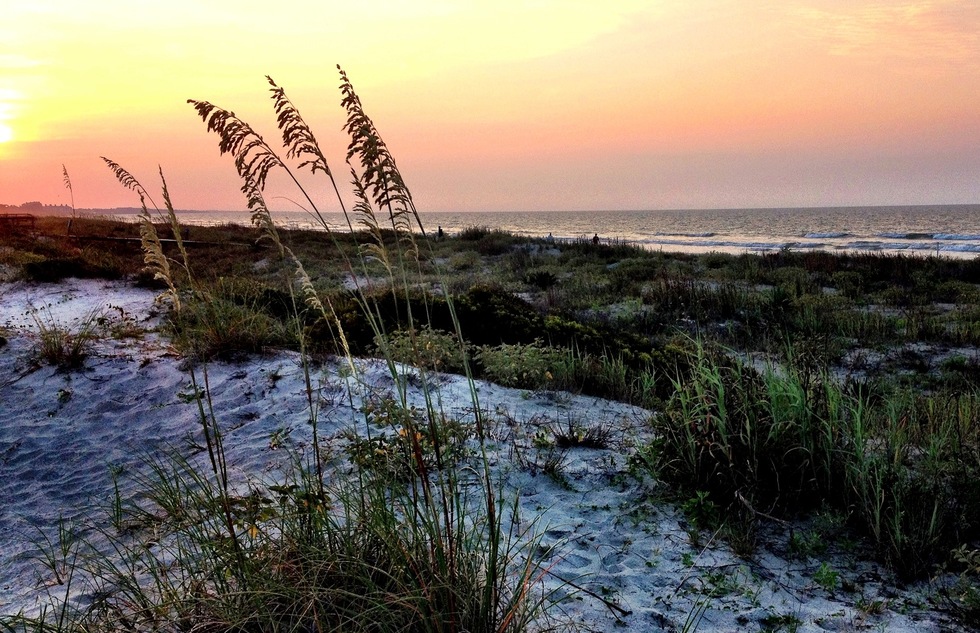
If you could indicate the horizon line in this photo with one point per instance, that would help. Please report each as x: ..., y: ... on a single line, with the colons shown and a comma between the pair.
x: 130, y: 209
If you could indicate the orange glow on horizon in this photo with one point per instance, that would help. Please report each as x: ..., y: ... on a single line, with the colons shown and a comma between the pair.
x: 494, y: 92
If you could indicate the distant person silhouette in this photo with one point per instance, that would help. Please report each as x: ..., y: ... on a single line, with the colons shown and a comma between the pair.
x: 595, y: 239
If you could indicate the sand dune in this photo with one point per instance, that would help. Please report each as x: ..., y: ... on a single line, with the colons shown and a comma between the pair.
x: 62, y: 432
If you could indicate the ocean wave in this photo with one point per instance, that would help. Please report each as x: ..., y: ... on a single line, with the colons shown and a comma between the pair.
x: 907, y: 236
x: 944, y: 248
x: 942, y: 237
x: 925, y: 246
x: 733, y: 244
x: 958, y: 238
x: 961, y: 248
x: 866, y: 245
x: 692, y: 235
x: 888, y: 242
x: 705, y: 234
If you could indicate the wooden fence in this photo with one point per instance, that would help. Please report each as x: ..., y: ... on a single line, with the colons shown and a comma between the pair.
x: 12, y: 223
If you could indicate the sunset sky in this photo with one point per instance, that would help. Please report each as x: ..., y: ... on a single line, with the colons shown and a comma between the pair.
x: 501, y: 105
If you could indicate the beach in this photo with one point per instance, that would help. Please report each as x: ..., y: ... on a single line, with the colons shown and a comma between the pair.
x: 670, y: 323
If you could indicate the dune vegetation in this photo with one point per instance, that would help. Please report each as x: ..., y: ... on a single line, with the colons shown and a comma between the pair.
x: 783, y: 386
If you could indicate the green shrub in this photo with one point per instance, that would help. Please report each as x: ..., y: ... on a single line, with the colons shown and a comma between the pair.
x: 848, y: 282
x: 827, y: 577
x: 518, y: 365
x: 474, y: 233
x: 102, y: 264
x: 953, y: 291
x: 791, y: 440
x: 963, y: 598
x: 466, y: 260
x: 912, y: 468
x: 959, y: 373
x: 807, y: 543
x: 487, y: 314
x: 672, y: 298
x: 608, y: 377
x: 91, y: 263
x: 18, y: 258
x: 243, y: 291
x: 411, y: 445
x: 488, y: 241
x: 539, y: 278
x: 426, y: 348
x: 54, y: 270
x: 796, y: 281
x: 701, y: 511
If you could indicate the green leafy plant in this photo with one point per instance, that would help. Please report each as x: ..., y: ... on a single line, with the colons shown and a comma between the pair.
x: 518, y: 365
x: 963, y: 597
x: 807, y: 543
x: 826, y: 576
x: 410, y: 445
x: 784, y: 622
x: 702, y: 511
x: 431, y: 349
x: 213, y: 325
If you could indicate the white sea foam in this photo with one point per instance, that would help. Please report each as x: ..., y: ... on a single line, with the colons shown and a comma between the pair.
x: 957, y: 237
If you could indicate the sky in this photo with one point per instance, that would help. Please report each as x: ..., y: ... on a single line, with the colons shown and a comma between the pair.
x: 504, y: 105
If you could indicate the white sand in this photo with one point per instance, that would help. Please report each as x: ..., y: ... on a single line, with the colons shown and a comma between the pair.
x: 61, y: 432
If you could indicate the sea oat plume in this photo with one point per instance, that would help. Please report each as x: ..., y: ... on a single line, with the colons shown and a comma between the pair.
x: 254, y: 158
x: 127, y: 180
x: 297, y: 137
x: 379, y: 173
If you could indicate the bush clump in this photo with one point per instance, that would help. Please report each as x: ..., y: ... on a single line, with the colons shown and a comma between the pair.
x: 63, y: 346
x: 411, y: 443
x: 56, y: 269
x: 518, y: 365
x: 425, y: 348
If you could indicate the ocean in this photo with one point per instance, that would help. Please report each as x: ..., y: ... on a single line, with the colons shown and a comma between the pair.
x: 947, y: 230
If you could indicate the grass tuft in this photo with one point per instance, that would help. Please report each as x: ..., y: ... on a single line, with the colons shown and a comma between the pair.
x: 63, y: 346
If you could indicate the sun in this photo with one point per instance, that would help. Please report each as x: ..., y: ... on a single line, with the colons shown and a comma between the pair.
x: 6, y: 133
